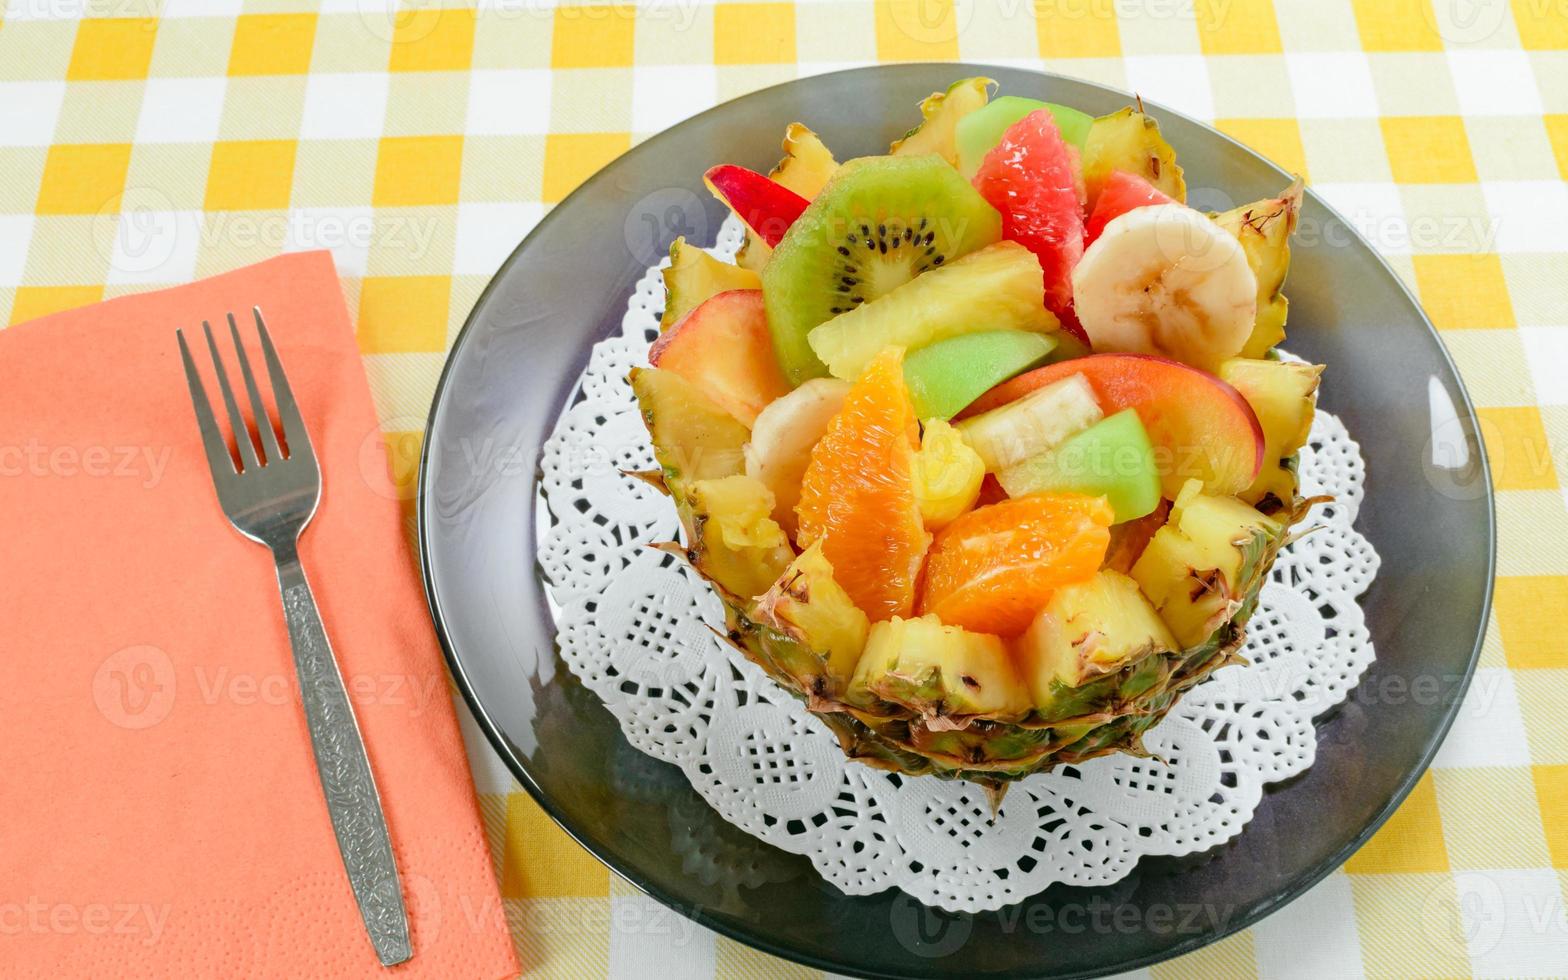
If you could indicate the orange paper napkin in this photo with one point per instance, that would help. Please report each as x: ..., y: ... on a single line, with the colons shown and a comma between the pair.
x: 159, y: 809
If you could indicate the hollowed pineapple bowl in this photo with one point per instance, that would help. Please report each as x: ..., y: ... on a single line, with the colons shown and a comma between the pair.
x: 983, y: 443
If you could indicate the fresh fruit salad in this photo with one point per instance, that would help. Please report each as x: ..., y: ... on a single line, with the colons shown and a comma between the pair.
x: 985, y: 442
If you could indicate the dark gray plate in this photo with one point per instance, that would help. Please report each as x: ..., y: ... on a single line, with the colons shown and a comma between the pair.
x: 1428, y: 511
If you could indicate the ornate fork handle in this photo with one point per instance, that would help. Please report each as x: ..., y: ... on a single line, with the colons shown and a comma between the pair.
x: 352, y: 799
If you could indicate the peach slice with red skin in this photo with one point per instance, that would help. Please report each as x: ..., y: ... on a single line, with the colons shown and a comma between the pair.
x: 724, y: 348
x: 1201, y: 427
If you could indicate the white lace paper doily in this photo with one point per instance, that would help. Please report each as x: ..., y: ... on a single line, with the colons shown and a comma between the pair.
x: 634, y: 624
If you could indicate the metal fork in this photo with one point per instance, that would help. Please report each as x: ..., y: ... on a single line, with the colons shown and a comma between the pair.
x: 270, y: 498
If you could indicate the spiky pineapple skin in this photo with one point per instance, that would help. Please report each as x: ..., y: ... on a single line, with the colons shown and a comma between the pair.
x: 1107, y: 715
x: 1264, y: 229
x: 805, y: 168
x: 694, y: 276
x: 1129, y: 140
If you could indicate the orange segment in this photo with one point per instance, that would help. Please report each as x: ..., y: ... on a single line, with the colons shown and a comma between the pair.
x: 858, y: 495
x: 991, y: 570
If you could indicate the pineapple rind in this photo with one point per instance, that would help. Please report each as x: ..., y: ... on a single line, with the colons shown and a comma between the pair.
x: 693, y: 438
x: 940, y: 112
x: 1264, y: 229
x: 807, y: 163
x: 1283, y: 395
x: 1129, y: 140
x: 809, y: 627
x: 946, y: 674
x: 1108, y: 715
x: 694, y: 276
x: 1088, y: 631
x: 732, y: 540
x: 805, y: 168
x: 1197, y: 567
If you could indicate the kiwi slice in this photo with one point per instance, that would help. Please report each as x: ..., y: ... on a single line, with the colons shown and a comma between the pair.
x: 878, y: 223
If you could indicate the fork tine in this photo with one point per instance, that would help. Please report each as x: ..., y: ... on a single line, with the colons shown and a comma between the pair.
x: 218, y: 458
x: 236, y: 420
x: 294, y: 432
x: 269, y: 438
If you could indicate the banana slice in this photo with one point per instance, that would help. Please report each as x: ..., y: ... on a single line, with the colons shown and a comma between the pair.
x: 782, y: 437
x: 1166, y: 280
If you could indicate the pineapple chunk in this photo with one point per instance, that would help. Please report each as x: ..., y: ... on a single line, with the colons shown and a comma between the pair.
x: 997, y: 287
x: 734, y: 541
x: 1283, y: 394
x: 753, y: 254
x: 1199, y: 567
x: 693, y: 438
x: 825, y: 629
x: 939, y: 671
x: 940, y: 112
x: 1264, y: 229
x: 694, y: 276
x: 1130, y: 141
x: 805, y: 169
x: 807, y: 162
x: 1086, y: 631
x: 947, y: 475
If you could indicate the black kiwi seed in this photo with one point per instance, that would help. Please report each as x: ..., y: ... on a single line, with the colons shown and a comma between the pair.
x: 843, y: 251
x: 938, y: 260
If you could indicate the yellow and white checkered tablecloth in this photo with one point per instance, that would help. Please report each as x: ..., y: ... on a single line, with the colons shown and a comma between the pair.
x: 149, y: 142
